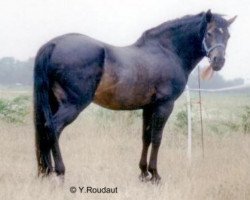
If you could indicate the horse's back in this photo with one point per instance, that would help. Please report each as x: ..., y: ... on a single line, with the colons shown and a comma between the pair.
x: 75, y: 49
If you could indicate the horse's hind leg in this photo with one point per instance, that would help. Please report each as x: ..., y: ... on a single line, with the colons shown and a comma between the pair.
x: 73, y: 95
x: 64, y: 116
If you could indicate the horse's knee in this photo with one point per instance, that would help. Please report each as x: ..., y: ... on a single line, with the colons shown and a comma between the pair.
x: 156, y: 140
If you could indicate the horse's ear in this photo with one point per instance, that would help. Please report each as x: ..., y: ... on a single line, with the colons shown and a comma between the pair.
x: 230, y: 21
x: 208, y: 16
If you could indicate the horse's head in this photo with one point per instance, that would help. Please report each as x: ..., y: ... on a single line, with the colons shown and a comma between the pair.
x: 215, y: 39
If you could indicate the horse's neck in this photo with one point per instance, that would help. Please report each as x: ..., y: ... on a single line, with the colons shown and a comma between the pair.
x: 188, y: 48
x: 185, y: 42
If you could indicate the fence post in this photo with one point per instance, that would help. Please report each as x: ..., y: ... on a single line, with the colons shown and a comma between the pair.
x: 189, y: 149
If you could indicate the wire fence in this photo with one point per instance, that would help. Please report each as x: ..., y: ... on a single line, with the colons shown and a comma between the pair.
x: 189, y: 111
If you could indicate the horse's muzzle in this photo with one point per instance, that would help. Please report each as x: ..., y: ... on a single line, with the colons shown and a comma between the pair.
x: 217, y: 63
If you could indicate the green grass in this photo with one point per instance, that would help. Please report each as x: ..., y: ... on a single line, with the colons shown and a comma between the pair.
x: 245, y: 119
x: 222, y: 113
x: 14, y: 110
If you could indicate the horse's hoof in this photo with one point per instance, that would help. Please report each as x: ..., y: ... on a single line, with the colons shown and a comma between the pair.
x: 61, y: 178
x: 155, y: 179
x: 57, y: 180
x: 145, y: 177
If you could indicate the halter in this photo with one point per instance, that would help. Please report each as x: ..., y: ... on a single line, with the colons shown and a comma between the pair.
x: 208, y: 50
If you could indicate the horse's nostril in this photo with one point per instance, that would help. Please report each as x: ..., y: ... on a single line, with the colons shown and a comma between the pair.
x: 218, y: 59
x: 215, y: 59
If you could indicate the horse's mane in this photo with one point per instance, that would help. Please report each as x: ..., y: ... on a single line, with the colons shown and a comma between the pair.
x: 181, y: 24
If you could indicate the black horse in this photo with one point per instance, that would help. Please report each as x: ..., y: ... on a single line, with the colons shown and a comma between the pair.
x: 73, y: 70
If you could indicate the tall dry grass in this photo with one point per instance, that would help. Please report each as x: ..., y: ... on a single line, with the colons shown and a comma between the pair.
x: 102, y: 148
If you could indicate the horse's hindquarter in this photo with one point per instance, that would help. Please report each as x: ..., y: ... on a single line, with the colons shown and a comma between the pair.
x: 126, y: 82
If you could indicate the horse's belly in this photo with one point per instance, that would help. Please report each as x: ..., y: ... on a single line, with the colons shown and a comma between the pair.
x: 115, y: 101
x: 123, y: 94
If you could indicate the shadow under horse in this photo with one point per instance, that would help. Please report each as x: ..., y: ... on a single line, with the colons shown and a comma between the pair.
x: 73, y: 70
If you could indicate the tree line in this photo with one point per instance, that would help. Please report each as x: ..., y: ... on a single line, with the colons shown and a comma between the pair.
x: 16, y: 72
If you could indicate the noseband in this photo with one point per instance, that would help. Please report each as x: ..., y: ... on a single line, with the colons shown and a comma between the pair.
x: 209, y: 49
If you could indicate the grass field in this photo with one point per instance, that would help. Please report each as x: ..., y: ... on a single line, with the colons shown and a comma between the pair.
x: 102, y: 149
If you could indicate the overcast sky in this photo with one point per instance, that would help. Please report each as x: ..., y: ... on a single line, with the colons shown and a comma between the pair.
x: 27, y: 24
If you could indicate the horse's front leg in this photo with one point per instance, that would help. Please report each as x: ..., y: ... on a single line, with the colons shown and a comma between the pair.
x: 146, y: 140
x: 160, y: 115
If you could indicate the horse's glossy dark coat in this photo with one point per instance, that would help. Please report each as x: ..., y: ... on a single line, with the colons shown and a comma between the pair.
x: 73, y: 70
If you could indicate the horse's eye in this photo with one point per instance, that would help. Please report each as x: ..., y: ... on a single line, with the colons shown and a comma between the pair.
x: 209, y: 34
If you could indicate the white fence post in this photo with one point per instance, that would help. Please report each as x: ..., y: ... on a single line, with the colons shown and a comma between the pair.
x: 189, y: 149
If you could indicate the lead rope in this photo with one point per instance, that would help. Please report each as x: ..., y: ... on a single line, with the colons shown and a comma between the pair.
x: 201, y: 118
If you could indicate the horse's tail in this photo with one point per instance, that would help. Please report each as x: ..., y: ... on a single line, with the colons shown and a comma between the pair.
x: 45, y: 135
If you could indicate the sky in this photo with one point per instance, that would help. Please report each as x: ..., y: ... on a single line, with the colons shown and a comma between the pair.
x: 28, y: 24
